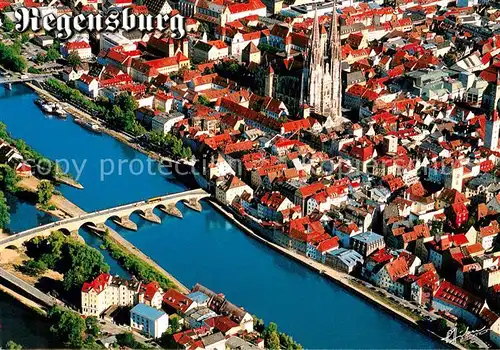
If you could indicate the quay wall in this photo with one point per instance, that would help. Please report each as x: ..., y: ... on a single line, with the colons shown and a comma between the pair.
x: 339, y: 278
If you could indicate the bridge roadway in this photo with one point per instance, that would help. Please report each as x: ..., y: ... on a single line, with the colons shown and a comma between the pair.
x: 120, y: 215
x: 26, y: 77
x: 28, y: 288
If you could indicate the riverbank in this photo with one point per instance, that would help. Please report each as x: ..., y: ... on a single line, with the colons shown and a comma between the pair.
x: 118, y: 135
x: 129, y: 248
x: 64, y: 208
x: 342, y: 279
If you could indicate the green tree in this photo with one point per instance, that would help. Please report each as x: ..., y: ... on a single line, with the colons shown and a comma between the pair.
x: 10, y: 57
x: 11, y: 345
x: 25, y: 37
x: 68, y: 326
x: 33, y: 268
x: 167, y: 341
x: 74, y: 59
x: 234, y: 68
x: 127, y: 340
x: 273, y: 327
x: 461, y: 328
x: 4, y: 211
x: 8, y: 25
x: 83, y: 263
x: 441, y: 326
x: 258, y: 324
x: 203, y: 100
x: 8, y: 179
x: 174, y: 324
x: 273, y: 341
x: 90, y: 343
x: 127, y: 103
x: 34, y: 70
x: 40, y: 58
x: 92, y: 325
x: 45, y: 190
x: 52, y: 54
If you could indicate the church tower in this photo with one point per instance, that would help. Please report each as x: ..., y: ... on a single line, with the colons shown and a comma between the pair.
x: 492, y: 131
x: 336, y: 66
x: 321, y: 88
x: 268, y: 83
x: 455, y: 177
x: 493, y: 122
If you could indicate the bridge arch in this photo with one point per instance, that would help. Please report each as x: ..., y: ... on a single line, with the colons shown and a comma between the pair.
x: 137, y: 211
x: 64, y: 230
x: 113, y: 217
x: 162, y: 206
x: 86, y: 225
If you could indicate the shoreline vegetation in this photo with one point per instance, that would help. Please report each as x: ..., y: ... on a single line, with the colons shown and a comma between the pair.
x: 134, y: 265
x: 120, y: 116
x: 42, y: 166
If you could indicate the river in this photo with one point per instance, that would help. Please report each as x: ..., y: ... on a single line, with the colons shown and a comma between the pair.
x: 203, y: 247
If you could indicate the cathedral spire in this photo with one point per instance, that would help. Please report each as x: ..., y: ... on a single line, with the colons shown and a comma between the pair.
x: 313, y: 84
x: 335, y: 66
x: 316, y: 47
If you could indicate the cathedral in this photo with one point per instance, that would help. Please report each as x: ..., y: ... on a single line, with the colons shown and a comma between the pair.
x: 321, y: 87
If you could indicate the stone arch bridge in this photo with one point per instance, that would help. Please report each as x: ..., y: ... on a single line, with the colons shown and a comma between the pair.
x: 120, y: 215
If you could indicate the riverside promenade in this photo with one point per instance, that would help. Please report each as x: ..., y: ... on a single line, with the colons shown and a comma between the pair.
x: 342, y: 279
x: 120, y: 136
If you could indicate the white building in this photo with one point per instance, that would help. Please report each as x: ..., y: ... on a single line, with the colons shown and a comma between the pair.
x: 105, y: 291
x: 492, y: 132
x: 148, y: 320
x: 81, y: 48
x: 230, y: 188
x: 164, y: 123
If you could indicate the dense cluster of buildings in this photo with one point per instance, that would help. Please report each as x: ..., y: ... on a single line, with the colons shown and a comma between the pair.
x: 367, y: 140
x: 206, y: 320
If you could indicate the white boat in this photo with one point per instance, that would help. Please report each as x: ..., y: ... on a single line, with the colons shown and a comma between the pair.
x: 48, y: 107
x: 89, y: 125
x: 59, y: 111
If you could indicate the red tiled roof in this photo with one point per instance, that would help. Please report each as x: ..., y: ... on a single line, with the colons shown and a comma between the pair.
x: 311, y: 189
x: 381, y: 256
x: 221, y: 323
x: 328, y: 244
x: 459, y: 239
x: 177, y: 300
x: 244, y: 7
x: 457, y: 296
x: 150, y: 290
x: 76, y: 45
x: 397, y: 268
x: 98, y: 284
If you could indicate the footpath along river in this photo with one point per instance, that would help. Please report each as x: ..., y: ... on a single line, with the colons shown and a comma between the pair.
x: 203, y: 247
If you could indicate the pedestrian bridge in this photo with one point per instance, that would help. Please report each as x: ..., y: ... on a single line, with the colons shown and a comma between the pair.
x: 119, y: 215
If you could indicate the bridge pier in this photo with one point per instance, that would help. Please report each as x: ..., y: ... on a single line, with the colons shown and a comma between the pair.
x: 171, y: 209
x: 98, y: 229
x: 125, y: 222
x: 193, y: 204
x: 76, y: 235
x: 150, y: 216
